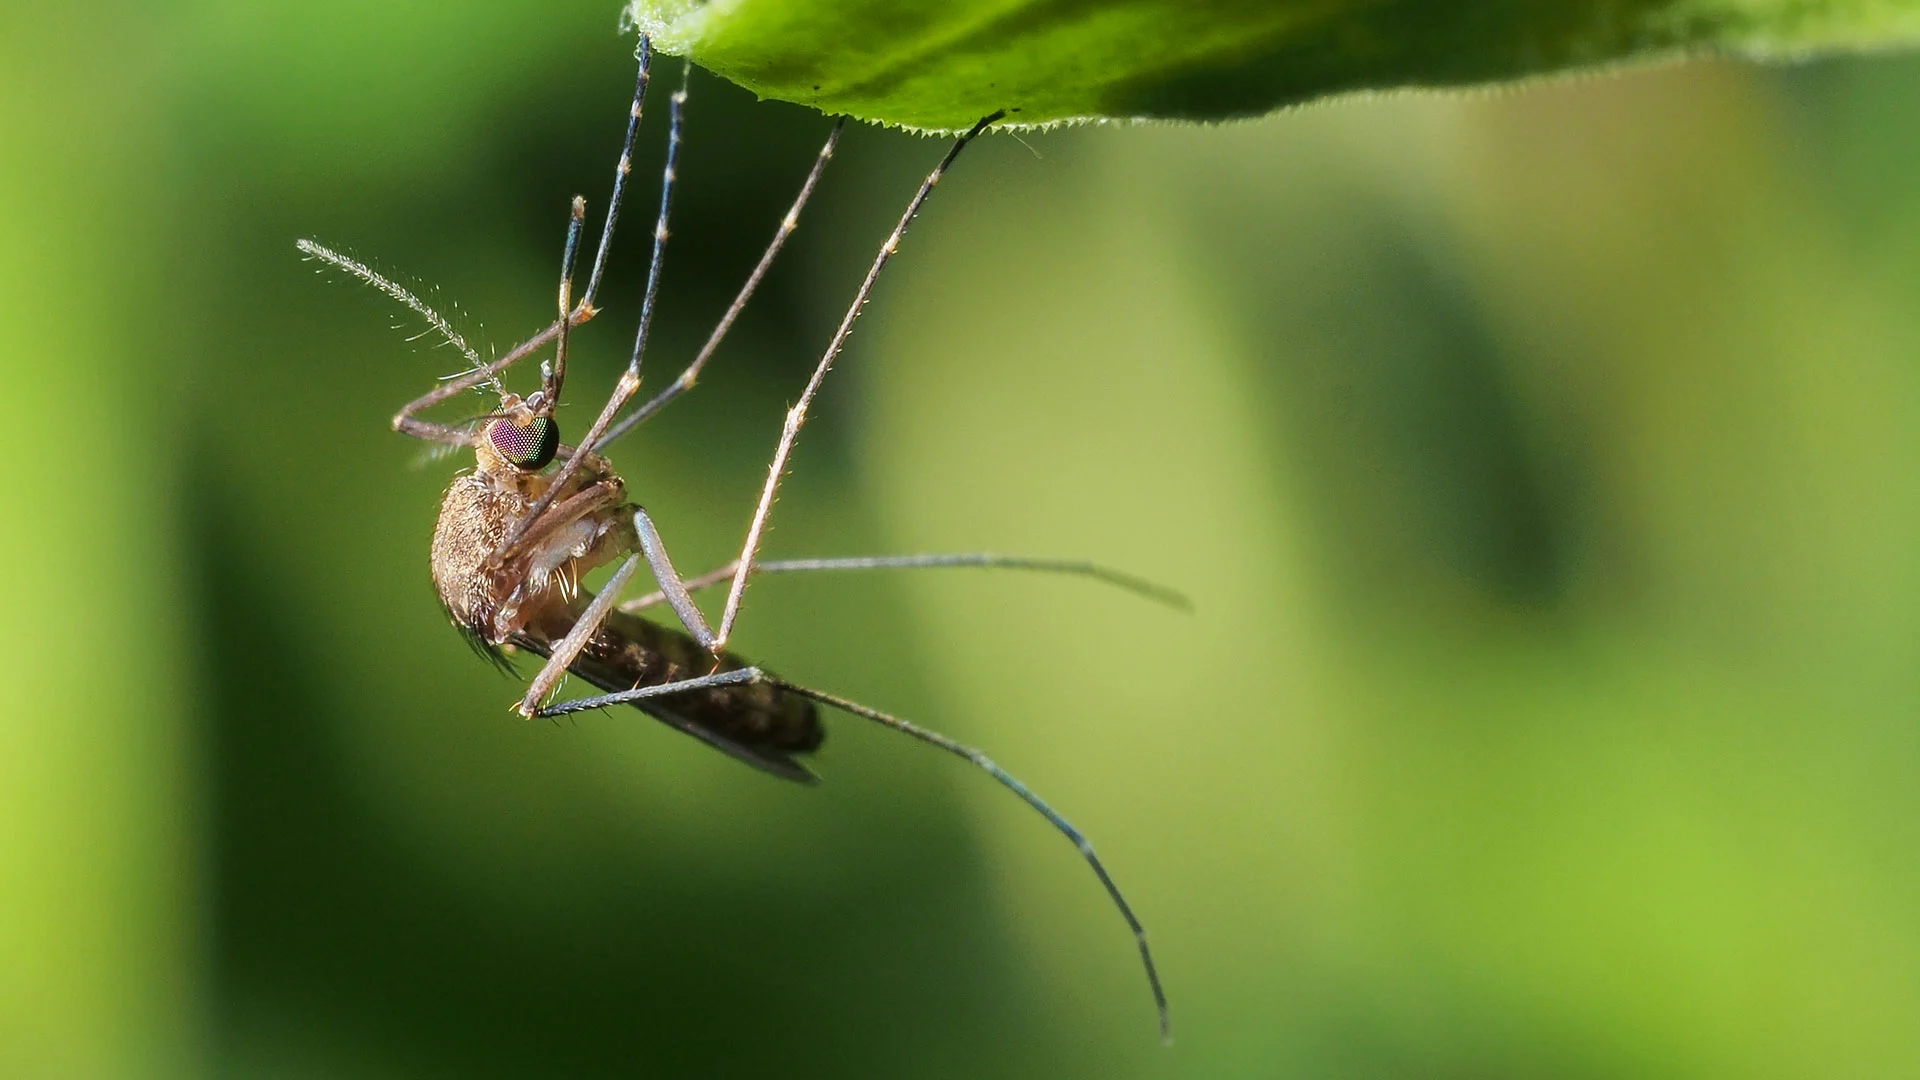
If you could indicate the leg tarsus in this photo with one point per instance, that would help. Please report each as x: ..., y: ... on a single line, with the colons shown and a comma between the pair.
x: 735, y: 677
x: 555, y: 377
x: 1066, y: 828
x: 643, y: 52
x: 686, y: 379
x: 797, y: 415
x: 630, y: 379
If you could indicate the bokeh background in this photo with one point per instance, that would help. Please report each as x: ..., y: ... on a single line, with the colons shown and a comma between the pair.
x: 1541, y: 464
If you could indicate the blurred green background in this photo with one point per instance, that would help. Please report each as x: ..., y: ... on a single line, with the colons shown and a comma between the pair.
x: 1541, y: 463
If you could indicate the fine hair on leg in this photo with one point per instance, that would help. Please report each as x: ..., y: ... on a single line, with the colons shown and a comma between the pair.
x: 926, y: 735
x: 797, y: 415
x: 1139, y: 586
x: 643, y: 53
x: 555, y: 669
x: 629, y: 381
x: 554, y: 377
x: 686, y: 379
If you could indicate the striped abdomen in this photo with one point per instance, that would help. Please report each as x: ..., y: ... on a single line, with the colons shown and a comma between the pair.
x: 760, y: 724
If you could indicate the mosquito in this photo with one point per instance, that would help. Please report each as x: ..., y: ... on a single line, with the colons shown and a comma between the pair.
x: 517, y: 533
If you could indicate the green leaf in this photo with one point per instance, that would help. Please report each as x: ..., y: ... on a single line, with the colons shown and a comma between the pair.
x: 941, y: 64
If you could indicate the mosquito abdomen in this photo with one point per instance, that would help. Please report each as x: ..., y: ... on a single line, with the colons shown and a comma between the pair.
x: 759, y: 723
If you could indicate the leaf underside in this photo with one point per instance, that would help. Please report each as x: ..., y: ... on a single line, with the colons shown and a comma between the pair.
x: 938, y: 65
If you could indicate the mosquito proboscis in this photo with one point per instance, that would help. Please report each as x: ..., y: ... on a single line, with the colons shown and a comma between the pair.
x: 518, y: 532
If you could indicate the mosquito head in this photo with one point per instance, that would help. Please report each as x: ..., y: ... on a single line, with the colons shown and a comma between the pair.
x: 522, y: 436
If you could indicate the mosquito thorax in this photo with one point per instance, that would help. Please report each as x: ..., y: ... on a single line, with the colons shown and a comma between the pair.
x: 524, y: 440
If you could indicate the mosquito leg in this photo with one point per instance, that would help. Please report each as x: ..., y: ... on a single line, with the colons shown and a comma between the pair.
x: 925, y: 735
x: 644, y: 54
x: 691, y: 375
x: 735, y: 677
x: 1007, y: 780
x: 797, y: 415
x: 553, y: 378
x: 569, y: 316
x: 692, y: 585
x: 574, y: 507
x: 630, y: 379
x: 405, y: 422
x: 583, y: 629
x: 562, y: 657
x: 1120, y: 579
x: 672, y: 589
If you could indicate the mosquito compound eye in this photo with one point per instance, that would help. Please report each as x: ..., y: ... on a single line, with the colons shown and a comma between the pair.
x: 529, y: 447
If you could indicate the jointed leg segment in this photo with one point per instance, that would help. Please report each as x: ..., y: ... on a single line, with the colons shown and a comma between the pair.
x: 594, y: 496
x: 630, y: 379
x: 977, y: 758
x: 686, y: 379
x: 644, y: 54
x: 972, y: 559
x: 564, y: 653
x: 797, y: 415
x: 671, y: 587
x: 554, y: 377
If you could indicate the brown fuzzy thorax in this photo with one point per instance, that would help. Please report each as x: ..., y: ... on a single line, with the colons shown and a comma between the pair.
x: 531, y: 600
x: 494, y: 601
x: 474, y: 518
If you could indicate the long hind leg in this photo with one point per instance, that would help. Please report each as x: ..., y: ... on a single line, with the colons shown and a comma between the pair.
x: 979, y: 759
